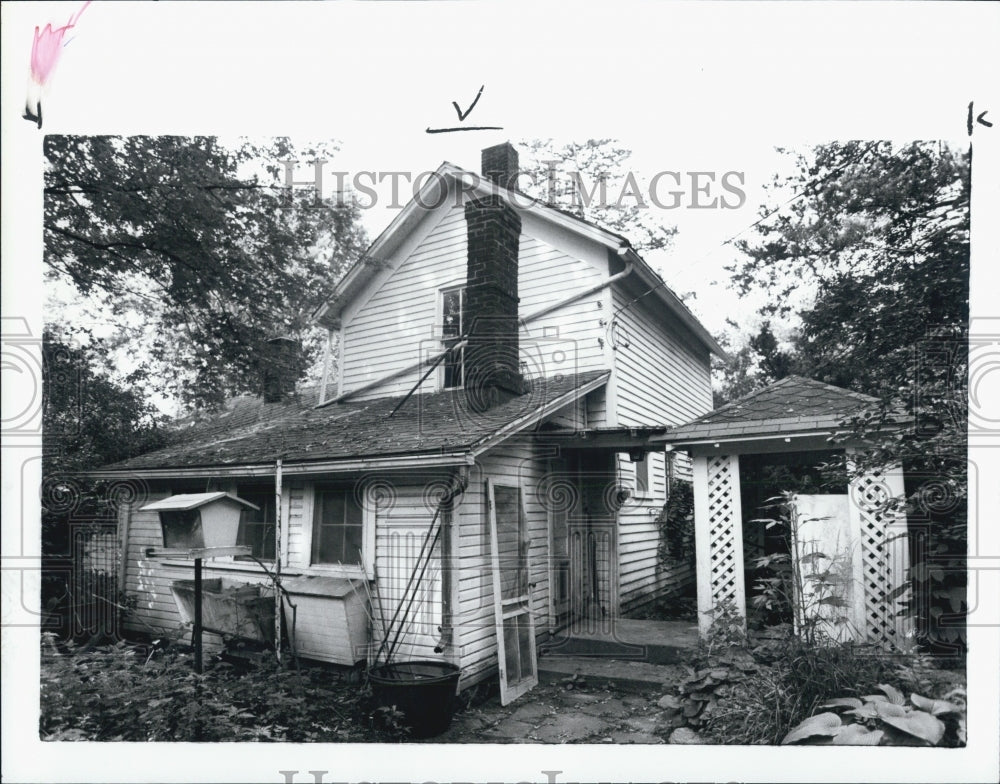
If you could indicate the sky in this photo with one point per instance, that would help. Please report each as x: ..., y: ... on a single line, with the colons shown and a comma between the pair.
x: 688, y: 87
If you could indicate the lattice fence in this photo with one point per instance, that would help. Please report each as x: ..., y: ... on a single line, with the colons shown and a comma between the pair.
x: 882, y: 568
x: 723, y: 519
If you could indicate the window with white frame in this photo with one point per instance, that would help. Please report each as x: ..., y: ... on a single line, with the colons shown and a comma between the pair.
x: 452, y: 304
x: 642, y: 474
x: 338, y: 531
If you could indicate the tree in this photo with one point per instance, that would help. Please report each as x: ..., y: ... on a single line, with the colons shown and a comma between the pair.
x: 592, y: 179
x: 89, y: 418
x: 196, y: 249
x: 877, y: 240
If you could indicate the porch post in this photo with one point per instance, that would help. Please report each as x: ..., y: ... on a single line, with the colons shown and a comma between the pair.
x: 881, y: 530
x: 718, y: 522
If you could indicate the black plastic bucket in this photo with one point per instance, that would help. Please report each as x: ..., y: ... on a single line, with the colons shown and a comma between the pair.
x: 423, y: 691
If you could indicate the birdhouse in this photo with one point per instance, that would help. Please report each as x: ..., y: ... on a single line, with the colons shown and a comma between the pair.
x: 199, y: 520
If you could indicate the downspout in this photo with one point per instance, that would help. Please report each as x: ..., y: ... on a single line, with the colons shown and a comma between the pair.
x: 460, y: 478
x: 278, y: 602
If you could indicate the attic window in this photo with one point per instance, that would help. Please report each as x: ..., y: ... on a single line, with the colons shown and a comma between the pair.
x: 452, y: 305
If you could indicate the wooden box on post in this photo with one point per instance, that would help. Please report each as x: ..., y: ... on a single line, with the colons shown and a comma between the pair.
x: 195, y: 521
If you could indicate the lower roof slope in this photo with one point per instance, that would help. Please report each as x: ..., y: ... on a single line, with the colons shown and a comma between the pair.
x: 794, y: 404
x: 251, y: 432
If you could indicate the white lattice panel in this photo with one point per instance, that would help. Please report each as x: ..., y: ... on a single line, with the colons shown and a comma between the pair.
x: 719, y: 535
x: 721, y: 530
x: 883, y: 557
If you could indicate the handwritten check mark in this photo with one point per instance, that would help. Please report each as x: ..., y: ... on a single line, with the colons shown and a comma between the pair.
x: 462, y: 115
x: 461, y: 118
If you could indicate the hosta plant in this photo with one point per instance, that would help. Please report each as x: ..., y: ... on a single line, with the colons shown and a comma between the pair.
x: 886, y: 719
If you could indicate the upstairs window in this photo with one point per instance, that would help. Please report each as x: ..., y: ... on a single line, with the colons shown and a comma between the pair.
x: 257, y: 526
x: 452, y: 305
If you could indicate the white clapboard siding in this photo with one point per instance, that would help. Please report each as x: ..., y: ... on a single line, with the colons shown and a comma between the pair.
x: 396, y: 326
x: 401, y: 529
x: 662, y: 371
x: 642, y: 577
x: 514, y: 465
x: 399, y: 324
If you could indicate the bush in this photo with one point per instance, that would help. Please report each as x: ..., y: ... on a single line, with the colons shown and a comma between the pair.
x: 134, y: 693
x: 733, y: 696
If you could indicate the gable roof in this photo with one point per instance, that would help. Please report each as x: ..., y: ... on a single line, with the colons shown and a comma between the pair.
x: 794, y: 404
x: 363, y: 270
x: 251, y: 433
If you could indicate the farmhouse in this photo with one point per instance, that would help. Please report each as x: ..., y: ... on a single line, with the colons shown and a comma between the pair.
x: 488, y: 467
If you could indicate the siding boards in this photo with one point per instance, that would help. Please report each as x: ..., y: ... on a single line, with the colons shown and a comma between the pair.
x: 399, y: 325
x: 663, y: 377
x: 641, y: 576
x: 400, y: 531
x: 517, y: 465
x: 396, y: 326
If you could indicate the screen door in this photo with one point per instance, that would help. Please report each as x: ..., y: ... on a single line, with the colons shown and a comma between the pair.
x: 511, y: 592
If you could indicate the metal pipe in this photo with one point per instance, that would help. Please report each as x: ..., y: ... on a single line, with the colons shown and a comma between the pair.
x: 277, y: 559
x: 457, y: 347
x: 389, y: 377
x: 196, y: 632
x: 629, y: 267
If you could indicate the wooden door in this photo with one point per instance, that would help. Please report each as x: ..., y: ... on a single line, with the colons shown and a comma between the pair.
x: 515, y: 625
x: 560, y: 512
x: 593, y: 545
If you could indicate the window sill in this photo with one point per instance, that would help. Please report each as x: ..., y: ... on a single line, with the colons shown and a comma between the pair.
x: 248, y: 567
x: 251, y: 567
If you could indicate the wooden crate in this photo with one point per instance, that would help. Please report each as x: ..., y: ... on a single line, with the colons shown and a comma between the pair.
x: 331, y: 623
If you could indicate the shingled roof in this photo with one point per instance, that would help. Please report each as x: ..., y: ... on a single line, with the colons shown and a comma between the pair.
x: 792, y: 405
x: 251, y: 432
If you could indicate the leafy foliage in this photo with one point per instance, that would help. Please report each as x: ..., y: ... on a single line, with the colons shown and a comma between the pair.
x: 747, y: 696
x: 867, y: 272
x: 130, y: 693
x: 88, y: 418
x: 601, y: 166
x: 676, y: 523
x: 885, y: 720
x: 196, y: 248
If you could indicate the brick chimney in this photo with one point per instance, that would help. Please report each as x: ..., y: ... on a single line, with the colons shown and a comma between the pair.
x: 500, y: 164
x: 492, y: 362
x: 280, y: 367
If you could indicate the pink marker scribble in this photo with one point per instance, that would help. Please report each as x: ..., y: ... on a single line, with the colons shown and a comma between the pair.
x: 44, y: 56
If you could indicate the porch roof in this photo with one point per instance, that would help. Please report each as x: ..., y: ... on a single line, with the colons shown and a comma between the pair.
x: 792, y: 406
x: 250, y: 432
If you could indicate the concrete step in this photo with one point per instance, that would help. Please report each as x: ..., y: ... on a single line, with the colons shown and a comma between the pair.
x: 635, y: 676
x: 610, y: 648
